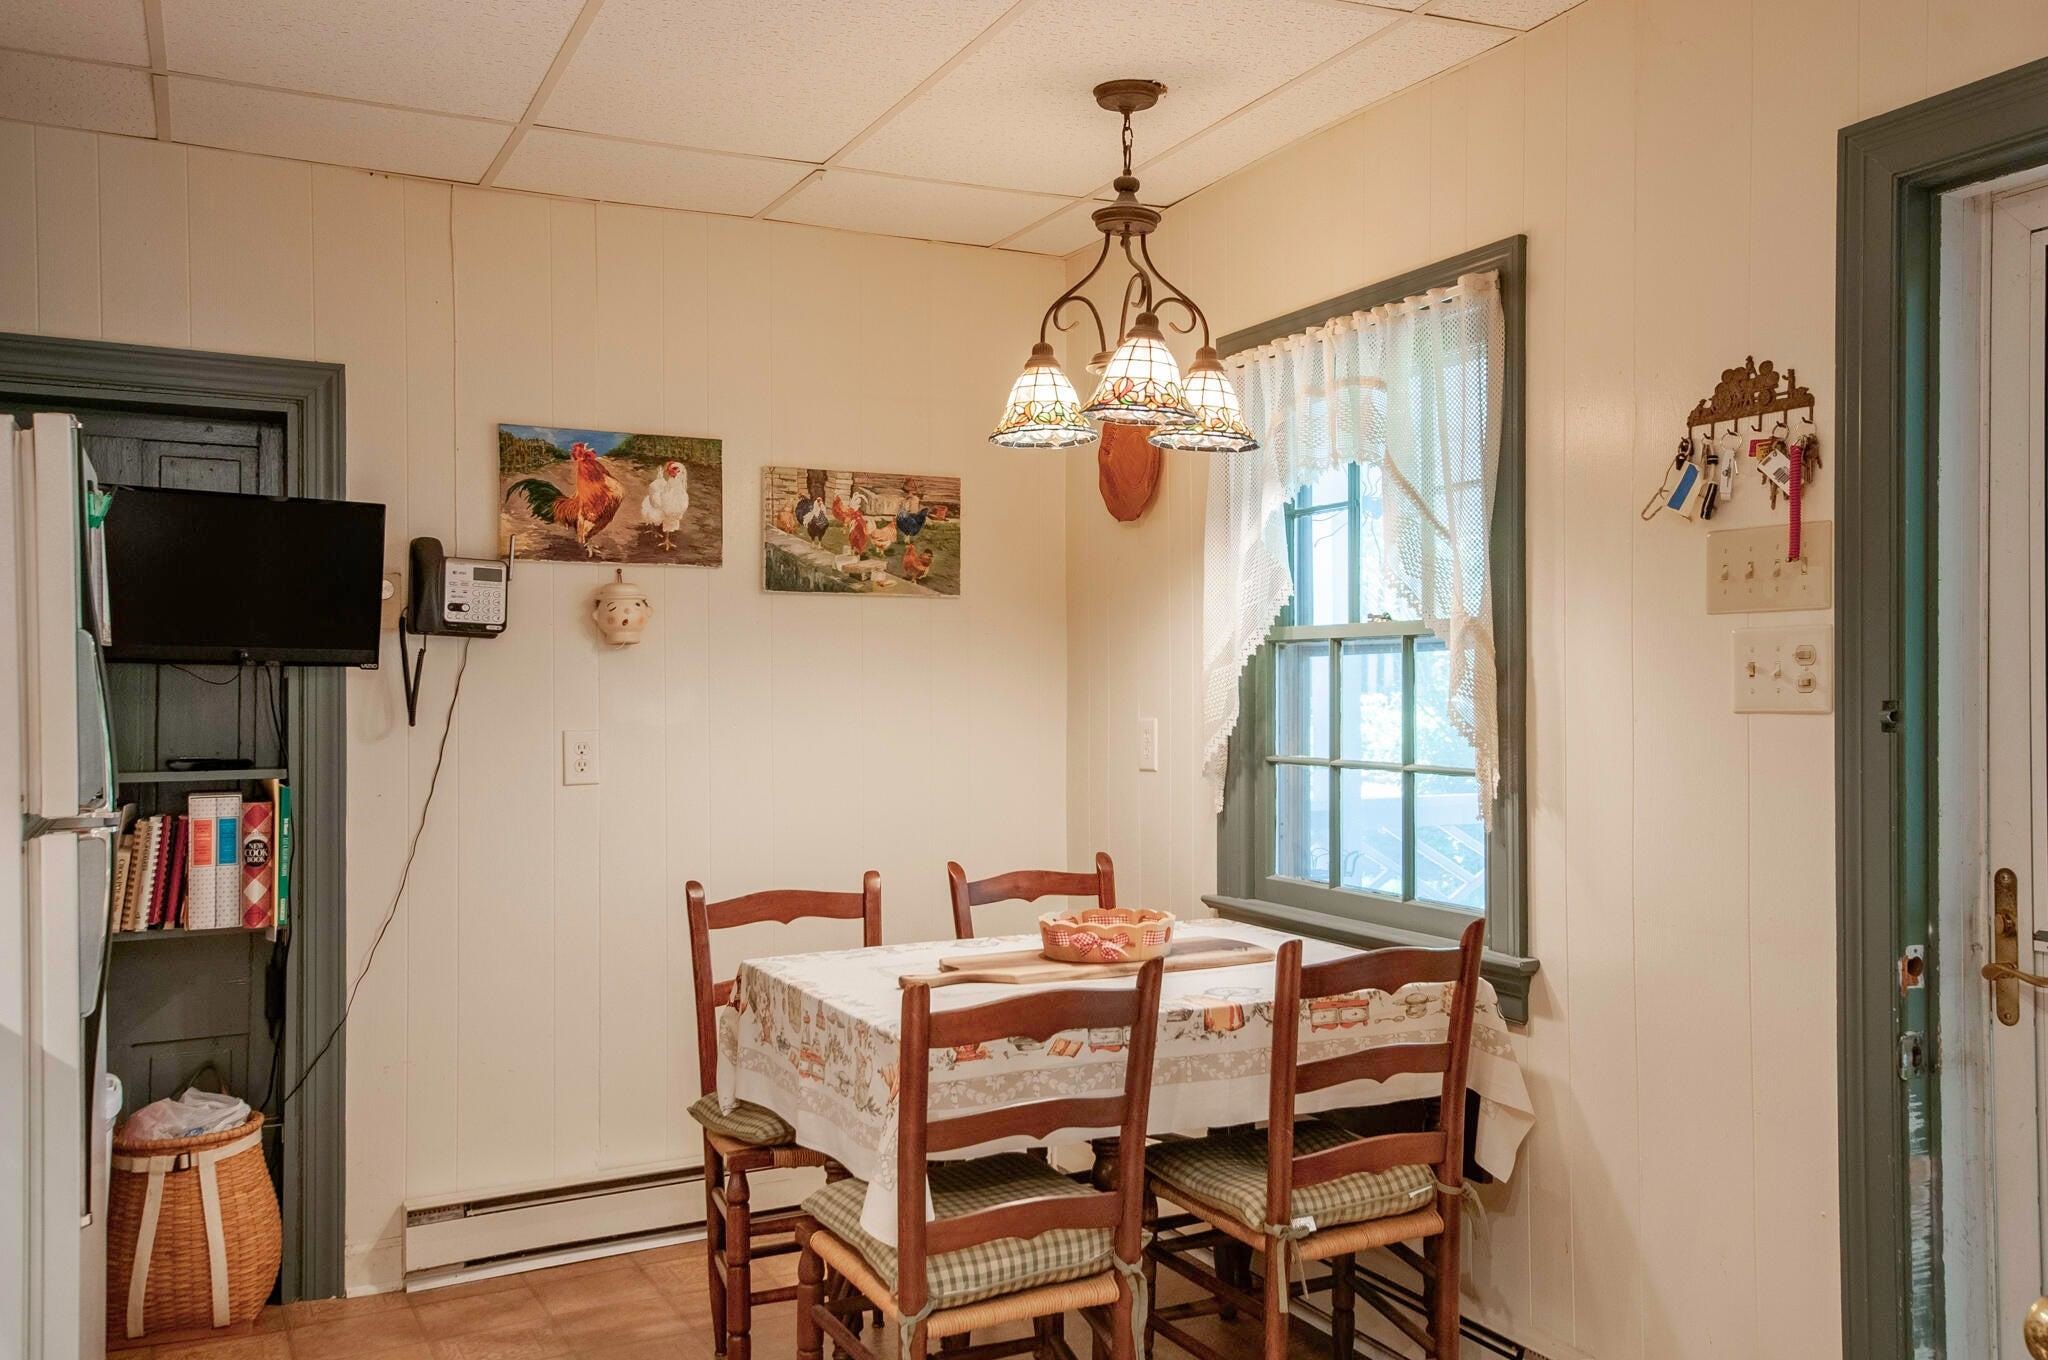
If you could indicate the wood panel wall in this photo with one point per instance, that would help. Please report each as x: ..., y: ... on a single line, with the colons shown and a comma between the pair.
x: 528, y: 1017
x: 1673, y: 164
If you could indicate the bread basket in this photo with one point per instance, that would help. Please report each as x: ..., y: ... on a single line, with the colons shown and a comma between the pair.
x: 1106, y: 934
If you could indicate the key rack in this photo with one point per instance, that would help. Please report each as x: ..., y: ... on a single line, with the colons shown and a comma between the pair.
x: 1752, y: 391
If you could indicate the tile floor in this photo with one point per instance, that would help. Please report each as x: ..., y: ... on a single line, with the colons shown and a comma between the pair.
x: 646, y: 1306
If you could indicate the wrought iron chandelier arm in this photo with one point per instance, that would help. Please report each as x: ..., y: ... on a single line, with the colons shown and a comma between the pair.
x: 1074, y: 294
x: 1175, y: 294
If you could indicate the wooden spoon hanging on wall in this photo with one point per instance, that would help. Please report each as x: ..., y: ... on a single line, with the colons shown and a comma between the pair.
x: 1128, y: 470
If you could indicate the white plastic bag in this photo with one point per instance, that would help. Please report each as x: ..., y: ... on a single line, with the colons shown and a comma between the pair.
x: 188, y: 1116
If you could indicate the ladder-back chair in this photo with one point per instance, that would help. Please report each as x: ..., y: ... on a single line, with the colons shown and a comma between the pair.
x: 1025, y: 885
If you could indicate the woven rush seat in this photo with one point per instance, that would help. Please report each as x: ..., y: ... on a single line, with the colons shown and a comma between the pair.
x: 745, y: 1122
x: 1004, y: 1266
x: 1228, y: 1172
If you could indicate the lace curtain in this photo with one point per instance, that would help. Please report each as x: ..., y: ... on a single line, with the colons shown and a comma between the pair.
x: 1413, y: 390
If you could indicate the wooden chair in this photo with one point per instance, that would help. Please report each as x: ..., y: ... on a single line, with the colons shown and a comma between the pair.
x: 749, y: 1138
x: 1312, y: 1192
x: 1081, y: 1248
x: 1025, y: 885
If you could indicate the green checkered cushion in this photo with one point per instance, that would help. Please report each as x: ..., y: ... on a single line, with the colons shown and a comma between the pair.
x: 746, y: 1121
x: 1003, y: 1266
x: 1228, y: 1171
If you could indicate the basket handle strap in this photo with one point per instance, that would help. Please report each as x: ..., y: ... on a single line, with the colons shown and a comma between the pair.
x: 209, y: 1200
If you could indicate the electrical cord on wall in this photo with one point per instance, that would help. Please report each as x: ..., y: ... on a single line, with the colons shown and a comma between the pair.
x: 404, y: 875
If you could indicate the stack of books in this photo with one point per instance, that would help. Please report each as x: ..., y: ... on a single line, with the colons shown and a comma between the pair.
x: 219, y: 864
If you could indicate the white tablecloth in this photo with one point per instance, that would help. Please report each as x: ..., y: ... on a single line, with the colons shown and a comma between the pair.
x: 815, y: 1038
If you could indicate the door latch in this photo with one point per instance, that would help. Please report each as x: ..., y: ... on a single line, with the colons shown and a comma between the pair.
x: 1912, y: 1055
x: 2003, y: 970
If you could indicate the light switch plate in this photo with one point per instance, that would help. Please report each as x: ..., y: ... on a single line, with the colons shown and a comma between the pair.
x: 1747, y: 572
x: 579, y: 757
x: 1785, y: 670
x: 1148, y: 744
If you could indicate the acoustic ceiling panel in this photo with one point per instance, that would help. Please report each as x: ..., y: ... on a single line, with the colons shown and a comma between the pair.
x: 795, y: 79
x: 99, y: 30
x: 570, y: 163
x: 75, y: 94
x: 1016, y: 111
x: 915, y: 208
x: 1417, y: 50
x: 335, y: 131
x: 480, y: 57
x: 1523, y: 14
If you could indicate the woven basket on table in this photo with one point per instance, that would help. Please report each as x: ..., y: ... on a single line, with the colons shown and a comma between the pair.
x: 206, y: 1257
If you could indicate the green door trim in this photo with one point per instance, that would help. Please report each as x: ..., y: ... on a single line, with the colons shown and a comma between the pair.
x: 1893, y: 170
x: 308, y: 396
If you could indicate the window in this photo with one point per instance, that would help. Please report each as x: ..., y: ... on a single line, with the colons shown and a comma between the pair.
x: 1352, y: 801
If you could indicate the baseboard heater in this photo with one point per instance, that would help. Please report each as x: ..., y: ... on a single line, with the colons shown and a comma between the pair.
x: 452, y: 1234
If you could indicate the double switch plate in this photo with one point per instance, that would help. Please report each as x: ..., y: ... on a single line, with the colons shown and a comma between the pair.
x: 1785, y: 670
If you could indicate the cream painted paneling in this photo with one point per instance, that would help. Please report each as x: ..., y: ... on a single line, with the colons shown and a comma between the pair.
x: 1672, y: 164
x: 528, y: 1015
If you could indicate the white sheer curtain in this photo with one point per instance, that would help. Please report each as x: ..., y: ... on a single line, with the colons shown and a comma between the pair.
x: 1413, y: 389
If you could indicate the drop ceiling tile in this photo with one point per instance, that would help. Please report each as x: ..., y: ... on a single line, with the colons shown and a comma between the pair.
x: 1523, y: 14
x: 479, y: 57
x: 795, y: 79
x: 308, y: 128
x: 75, y: 94
x: 1016, y: 111
x: 554, y: 162
x: 99, y: 30
x: 1414, y: 52
x: 1060, y: 235
x: 915, y: 208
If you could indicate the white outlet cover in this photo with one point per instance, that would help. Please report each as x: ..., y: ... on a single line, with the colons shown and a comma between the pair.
x: 1785, y: 670
x: 579, y: 757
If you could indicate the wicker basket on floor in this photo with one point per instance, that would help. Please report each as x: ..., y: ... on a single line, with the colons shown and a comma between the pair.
x: 193, y: 1235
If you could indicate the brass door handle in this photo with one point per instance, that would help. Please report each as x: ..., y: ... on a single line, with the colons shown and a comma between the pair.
x: 2035, y: 1329
x: 2003, y: 972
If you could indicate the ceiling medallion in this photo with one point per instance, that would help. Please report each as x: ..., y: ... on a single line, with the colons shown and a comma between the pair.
x: 1140, y: 382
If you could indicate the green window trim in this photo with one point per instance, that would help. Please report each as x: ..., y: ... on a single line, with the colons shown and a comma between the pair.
x: 1246, y: 888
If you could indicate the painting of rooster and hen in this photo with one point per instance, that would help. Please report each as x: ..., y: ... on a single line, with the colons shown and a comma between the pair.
x: 610, y: 496
x: 860, y: 533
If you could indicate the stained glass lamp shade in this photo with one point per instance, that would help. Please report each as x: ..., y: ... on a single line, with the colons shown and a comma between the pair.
x: 1218, y: 425
x: 1044, y: 411
x: 1141, y: 385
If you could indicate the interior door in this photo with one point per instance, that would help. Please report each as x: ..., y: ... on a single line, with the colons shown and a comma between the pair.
x: 2016, y: 795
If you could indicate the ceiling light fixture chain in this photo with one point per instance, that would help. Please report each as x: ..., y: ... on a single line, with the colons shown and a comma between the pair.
x: 1141, y: 381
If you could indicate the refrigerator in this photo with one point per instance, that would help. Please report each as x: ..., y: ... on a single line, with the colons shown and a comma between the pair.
x: 54, y: 909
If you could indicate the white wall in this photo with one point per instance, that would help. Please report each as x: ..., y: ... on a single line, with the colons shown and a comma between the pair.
x: 1673, y: 164
x: 529, y: 1016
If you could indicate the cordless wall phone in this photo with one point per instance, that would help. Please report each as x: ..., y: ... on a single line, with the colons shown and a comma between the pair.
x: 465, y: 597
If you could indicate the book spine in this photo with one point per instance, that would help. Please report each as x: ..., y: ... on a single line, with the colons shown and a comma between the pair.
x: 158, y: 905
x: 174, y: 897
x: 145, y: 888
x: 227, y: 876
x: 203, y: 856
x: 123, y: 848
x: 257, y: 900
x: 287, y: 832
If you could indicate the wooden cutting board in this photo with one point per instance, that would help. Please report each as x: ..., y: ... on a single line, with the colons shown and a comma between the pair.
x: 1028, y: 965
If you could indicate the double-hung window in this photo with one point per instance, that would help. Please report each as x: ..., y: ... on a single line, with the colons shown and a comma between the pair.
x: 1352, y: 807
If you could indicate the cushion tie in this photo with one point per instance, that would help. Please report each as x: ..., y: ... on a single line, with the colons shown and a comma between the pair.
x: 1287, y: 1239
x: 906, y: 1329
x: 1468, y: 1194
x: 1141, y: 1296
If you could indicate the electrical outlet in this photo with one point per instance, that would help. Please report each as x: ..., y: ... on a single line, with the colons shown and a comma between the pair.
x: 1148, y: 743
x: 1785, y: 670
x: 1747, y: 571
x: 579, y: 757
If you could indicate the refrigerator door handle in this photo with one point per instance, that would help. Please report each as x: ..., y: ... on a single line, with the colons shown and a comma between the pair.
x: 85, y: 823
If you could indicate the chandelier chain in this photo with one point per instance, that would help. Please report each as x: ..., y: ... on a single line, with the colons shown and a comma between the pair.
x: 1128, y: 140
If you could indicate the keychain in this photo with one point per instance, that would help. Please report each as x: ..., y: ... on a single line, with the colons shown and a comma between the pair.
x: 1679, y: 484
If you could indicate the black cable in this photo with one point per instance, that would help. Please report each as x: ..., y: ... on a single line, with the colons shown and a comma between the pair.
x: 404, y: 874
x: 187, y: 670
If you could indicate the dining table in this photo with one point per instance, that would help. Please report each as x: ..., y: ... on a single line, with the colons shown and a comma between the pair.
x: 816, y: 1038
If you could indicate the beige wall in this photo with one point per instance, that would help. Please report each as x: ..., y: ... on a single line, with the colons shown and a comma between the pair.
x: 1673, y: 166
x: 529, y: 1015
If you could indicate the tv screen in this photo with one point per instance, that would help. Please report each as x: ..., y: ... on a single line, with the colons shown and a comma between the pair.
x: 199, y: 576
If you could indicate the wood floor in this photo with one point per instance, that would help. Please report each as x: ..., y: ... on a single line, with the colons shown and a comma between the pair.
x: 647, y: 1306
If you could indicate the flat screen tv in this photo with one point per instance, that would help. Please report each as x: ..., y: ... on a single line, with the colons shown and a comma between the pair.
x: 200, y: 576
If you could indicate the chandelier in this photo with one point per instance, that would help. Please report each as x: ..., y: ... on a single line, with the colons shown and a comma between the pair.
x: 1140, y: 383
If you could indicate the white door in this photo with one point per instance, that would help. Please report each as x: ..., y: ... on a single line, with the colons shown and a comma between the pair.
x: 2015, y: 913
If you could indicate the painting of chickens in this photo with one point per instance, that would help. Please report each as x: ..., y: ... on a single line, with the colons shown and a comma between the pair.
x: 610, y: 496
x: 826, y: 532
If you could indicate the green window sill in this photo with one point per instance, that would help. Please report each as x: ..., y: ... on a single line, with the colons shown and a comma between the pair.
x: 1509, y: 974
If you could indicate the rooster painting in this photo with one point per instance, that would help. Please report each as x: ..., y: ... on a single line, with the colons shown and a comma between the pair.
x: 860, y: 533
x: 570, y: 495
x: 587, y: 508
x: 666, y: 502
